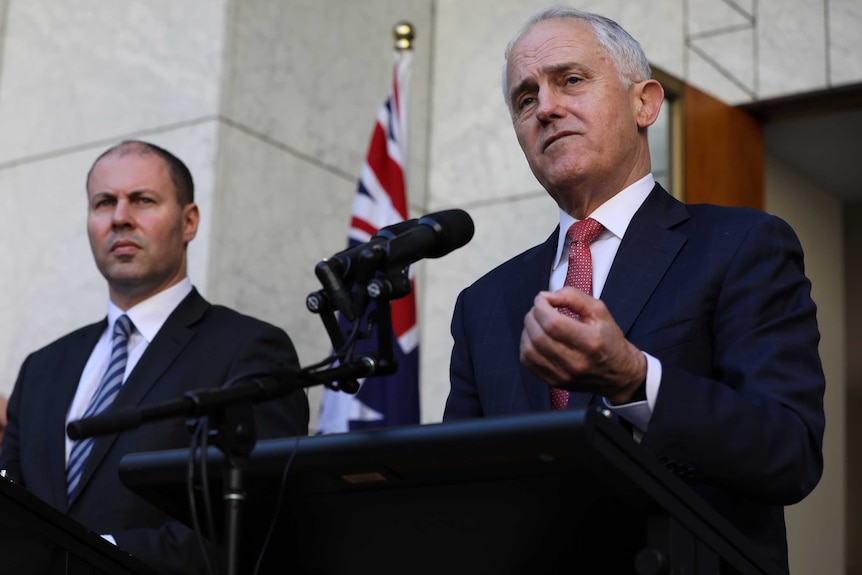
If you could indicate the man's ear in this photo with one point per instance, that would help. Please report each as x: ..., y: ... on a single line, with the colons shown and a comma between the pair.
x: 649, y: 95
x: 191, y: 218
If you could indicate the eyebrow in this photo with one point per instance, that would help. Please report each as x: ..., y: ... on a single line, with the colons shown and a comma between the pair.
x: 111, y: 194
x: 522, y: 87
x: 550, y: 70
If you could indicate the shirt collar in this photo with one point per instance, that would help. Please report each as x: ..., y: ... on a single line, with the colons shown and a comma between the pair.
x: 149, y: 315
x: 615, y: 215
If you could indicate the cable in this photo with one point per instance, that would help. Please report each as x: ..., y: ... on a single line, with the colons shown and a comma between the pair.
x: 205, y: 484
x: 339, y: 354
x: 190, y: 482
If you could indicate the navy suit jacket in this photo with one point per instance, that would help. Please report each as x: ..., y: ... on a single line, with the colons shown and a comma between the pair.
x: 719, y: 296
x: 199, y: 346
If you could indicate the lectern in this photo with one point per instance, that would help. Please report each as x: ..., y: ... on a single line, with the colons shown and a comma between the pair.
x: 561, y: 492
x: 36, y: 539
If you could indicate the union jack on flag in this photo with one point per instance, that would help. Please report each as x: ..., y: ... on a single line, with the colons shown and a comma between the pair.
x: 380, y: 201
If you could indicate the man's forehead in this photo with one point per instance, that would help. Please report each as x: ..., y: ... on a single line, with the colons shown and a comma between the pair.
x: 131, y: 156
x: 557, y: 31
x: 552, y: 44
x: 123, y: 169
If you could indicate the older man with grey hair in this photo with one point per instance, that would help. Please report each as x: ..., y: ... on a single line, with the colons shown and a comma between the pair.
x: 694, y: 323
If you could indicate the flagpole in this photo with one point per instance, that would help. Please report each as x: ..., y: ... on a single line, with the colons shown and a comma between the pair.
x: 403, y: 32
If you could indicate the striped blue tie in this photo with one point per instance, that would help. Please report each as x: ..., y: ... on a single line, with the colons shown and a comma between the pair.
x: 108, y: 388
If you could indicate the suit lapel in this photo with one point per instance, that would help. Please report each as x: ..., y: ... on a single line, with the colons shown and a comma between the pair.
x: 170, y: 341
x: 644, y: 256
x: 534, y: 273
x: 69, y: 373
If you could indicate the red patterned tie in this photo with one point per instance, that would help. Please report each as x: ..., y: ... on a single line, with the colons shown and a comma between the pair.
x: 580, y: 276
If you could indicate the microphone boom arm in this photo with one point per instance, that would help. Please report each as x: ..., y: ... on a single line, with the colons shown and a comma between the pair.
x: 394, y: 284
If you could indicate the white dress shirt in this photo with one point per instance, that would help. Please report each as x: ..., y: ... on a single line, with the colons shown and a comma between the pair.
x: 615, y: 215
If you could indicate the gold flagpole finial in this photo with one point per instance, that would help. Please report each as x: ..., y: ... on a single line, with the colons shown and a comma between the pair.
x: 403, y: 32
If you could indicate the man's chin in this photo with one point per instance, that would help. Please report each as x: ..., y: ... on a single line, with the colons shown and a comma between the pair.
x: 123, y: 276
x: 562, y: 186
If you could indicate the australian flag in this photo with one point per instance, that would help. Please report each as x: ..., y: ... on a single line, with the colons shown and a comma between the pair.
x: 380, y: 201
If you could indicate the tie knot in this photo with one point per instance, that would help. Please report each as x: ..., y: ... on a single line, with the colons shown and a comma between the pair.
x: 585, y: 231
x: 122, y: 328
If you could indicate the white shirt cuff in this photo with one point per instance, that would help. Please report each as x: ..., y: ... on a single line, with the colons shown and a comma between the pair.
x: 639, y: 413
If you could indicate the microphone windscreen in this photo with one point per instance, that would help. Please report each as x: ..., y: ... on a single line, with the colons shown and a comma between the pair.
x: 454, y: 228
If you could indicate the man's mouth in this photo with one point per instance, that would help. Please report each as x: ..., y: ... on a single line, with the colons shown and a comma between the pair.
x: 555, y: 138
x: 124, y: 247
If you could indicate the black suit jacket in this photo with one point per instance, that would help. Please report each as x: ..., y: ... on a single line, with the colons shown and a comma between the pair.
x: 718, y: 295
x: 199, y: 346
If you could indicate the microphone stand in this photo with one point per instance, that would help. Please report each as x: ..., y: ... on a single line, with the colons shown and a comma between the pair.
x: 393, y: 284
x: 230, y: 406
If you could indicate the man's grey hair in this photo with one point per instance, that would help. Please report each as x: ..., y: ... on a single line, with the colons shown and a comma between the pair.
x: 625, y: 51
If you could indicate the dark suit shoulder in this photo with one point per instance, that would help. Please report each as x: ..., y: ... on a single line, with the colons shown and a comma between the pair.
x: 731, y: 225
x: 228, y: 325
x: 718, y: 216
x: 229, y: 315
x: 72, y: 340
x: 663, y: 210
x: 196, y: 312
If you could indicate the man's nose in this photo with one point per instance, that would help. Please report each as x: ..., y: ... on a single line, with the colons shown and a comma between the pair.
x: 121, y: 216
x: 549, y: 105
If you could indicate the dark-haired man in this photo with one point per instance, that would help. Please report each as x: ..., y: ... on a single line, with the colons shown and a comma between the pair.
x: 693, y: 322
x: 159, y: 340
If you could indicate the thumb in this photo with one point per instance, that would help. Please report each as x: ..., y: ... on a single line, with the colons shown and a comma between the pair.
x: 569, y: 297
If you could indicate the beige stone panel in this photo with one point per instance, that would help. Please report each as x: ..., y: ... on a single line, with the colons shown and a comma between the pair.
x: 731, y: 55
x: 791, y: 47
x: 87, y: 71
x: 845, y: 42
x: 816, y: 531
x: 703, y: 73
x: 311, y: 75
x: 707, y: 16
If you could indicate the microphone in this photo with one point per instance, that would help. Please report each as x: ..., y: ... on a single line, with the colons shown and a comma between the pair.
x: 395, y: 246
x: 344, y: 262
x: 333, y: 272
x: 433, y: 236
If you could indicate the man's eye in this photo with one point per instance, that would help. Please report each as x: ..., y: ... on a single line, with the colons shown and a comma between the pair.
x: 572, y: 80
x: 524, y: 102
